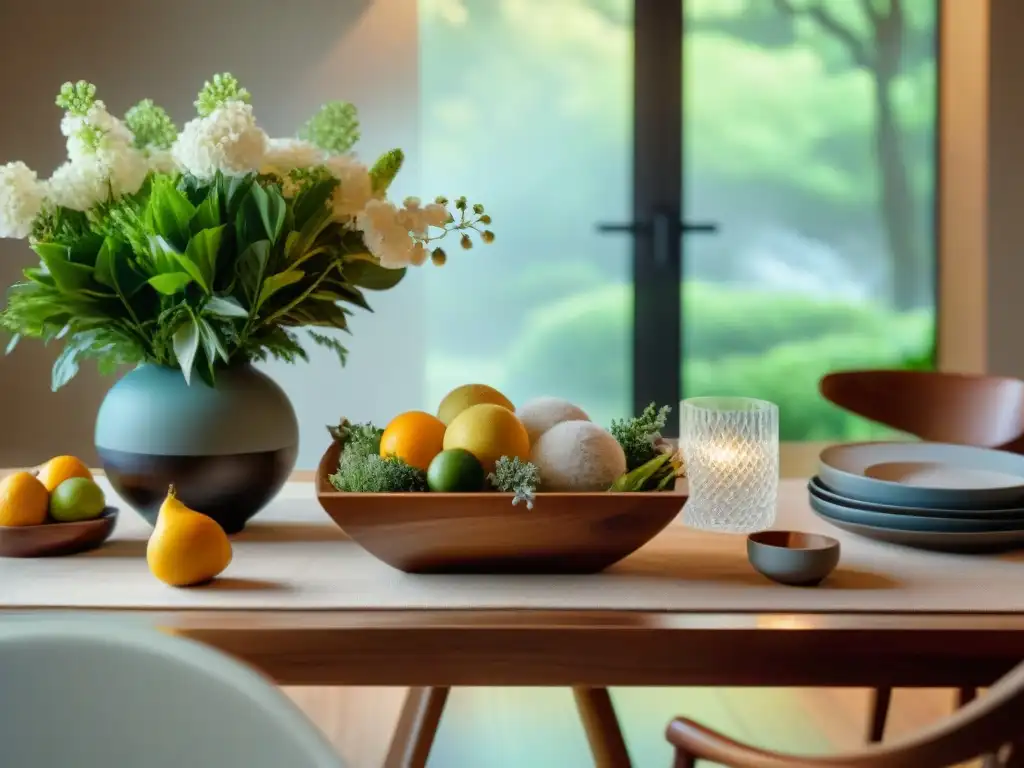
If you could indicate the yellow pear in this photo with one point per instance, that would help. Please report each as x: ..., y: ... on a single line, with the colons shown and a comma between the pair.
x: 186, y: 547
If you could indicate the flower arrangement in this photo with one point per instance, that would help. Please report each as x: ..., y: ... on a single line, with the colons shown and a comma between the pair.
x: 212, y: 245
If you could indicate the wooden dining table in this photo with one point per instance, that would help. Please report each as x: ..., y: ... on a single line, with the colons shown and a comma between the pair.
x: 309, y: 607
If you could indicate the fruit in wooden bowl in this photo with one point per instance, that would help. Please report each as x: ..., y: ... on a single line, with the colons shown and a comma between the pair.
x: 410, y: 519
x: 57, y: 511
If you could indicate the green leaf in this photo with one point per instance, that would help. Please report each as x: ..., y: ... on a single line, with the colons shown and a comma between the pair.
x: 202, y: 250
x: 85, y: 249
x: 297, y: 247
x: 234, y: 190
x: 169, y: 213
x: 186, y: 345
x: 252, y: 265
x: 207, y: 214
x: 271, y: 208
x: 368, y: 274
x: 311, y: 201
x: 15, y: 338
x: 330, y: 343
x: 224, y: 307
x: 66, y: 274
x: 194, y: 270
x: 212, y: 344
x: 41, y: 276
x: 103, y: 271
x: 170, y: 283
x: 275, y: 283
x: 65, y: 366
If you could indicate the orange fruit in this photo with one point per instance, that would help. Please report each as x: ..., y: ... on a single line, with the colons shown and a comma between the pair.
x: 23, y: 500
x: 415, y: 437
x: 61, y: 468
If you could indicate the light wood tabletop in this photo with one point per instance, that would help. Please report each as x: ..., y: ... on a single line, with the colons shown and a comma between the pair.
x: 309, y: 607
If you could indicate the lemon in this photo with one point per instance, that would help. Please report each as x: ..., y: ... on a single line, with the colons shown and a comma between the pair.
x: 76, y: 499
x: 489, y: 432
x: 461, y: 398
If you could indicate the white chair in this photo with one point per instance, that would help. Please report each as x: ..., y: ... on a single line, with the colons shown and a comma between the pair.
x: 90, y: 693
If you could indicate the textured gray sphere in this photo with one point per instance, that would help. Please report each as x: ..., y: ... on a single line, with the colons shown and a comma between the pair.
x: 542, y: 413
x: 577, y: 456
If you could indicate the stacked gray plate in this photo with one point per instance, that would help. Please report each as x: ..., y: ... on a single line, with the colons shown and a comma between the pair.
x: 927, y: 495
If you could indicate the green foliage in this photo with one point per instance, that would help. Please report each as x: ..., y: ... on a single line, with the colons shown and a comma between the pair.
x: 373, y: 474
x: 638, y: 436
x: 588, y: 334
x: 515, y: 476
x: 151, y: 125
x: 190, y: 273
x: 334, y: 128
x: 216, y: 92
x: 386, y: 169
x: 77, y: 98
x: 359, y: 440
x: 658, y: 474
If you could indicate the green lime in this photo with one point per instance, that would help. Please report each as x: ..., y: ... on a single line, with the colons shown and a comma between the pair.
x: 455, y: 470
x: 77, y: 498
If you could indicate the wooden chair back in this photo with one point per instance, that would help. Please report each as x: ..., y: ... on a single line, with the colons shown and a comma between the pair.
x: 990, y: 725
x: 986, y: 411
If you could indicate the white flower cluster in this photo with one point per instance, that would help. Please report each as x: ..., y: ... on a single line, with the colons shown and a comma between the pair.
x: 355, y: 189
x: 21, y: 199
x: 227, y: 140
x: 396, y: 235
x: 102, y: 161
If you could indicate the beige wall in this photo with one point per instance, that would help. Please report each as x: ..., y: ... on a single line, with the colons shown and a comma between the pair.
x: 1006, y: 189
x: 291, y: 60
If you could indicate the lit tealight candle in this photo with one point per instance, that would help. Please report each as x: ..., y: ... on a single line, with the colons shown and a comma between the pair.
x: 731, y: 450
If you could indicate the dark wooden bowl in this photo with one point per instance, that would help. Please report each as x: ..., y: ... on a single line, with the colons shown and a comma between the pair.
x: 484, y: 533
x: 53, y: 539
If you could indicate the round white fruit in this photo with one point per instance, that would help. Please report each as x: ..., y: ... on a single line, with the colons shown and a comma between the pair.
x: 577, y: 456
x: 542, y: 413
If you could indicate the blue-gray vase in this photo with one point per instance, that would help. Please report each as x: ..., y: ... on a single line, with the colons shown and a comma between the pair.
x: 227, y: 449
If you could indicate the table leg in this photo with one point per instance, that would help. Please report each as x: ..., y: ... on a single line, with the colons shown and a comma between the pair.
x: 881, y: 698
x: 417, y: 727
x: 602, y: 727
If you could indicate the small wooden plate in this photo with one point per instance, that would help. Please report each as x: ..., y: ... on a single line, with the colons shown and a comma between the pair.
x: 53, y: 539
x: 484, y: 533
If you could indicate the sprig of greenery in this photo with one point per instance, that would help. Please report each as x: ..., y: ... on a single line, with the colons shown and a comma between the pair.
x: 513, y: 475
x: 334, y: 128
x: 374, y: 474
x: 359, y: 440
x: 638, y: 436
x: 151, y: 125
x: 219, y: 90
x: 471, y: 218
x: 77, y: 98
x: 386, y: 169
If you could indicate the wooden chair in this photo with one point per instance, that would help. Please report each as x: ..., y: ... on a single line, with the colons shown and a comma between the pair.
x: 992, y: 726
x: 986, y: 411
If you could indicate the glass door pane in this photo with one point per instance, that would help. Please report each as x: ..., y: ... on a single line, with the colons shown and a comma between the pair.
x: 527, y: 105
x: 810, y: 136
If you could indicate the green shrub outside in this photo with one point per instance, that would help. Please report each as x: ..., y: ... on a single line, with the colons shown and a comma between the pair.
x: 757, y: 344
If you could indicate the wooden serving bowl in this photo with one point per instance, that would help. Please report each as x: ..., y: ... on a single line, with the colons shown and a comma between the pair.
x: 484, y: 533
x: 53, y: 539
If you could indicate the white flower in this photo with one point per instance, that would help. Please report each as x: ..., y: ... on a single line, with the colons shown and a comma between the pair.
x: 78, y: 185
x: 21, y: 198
x: 161, y: 161
x: 386, y: 232
x: 284, y: 155
x: 226, y: 140
x: 435, y: 215
x: 107, y: 173
x: 112, y: 133
x: 355, y: 189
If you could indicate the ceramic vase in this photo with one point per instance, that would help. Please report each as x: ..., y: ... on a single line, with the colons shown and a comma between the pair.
x: 227, y: 449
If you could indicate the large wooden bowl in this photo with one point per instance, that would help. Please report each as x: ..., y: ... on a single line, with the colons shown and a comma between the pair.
x: 53, y: 539
x: 484, y: 533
